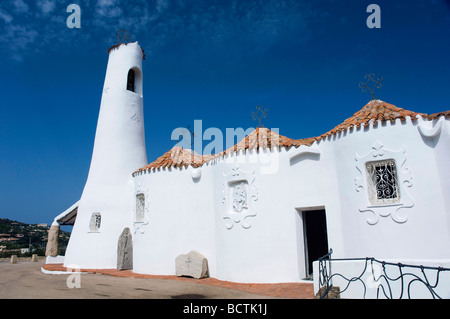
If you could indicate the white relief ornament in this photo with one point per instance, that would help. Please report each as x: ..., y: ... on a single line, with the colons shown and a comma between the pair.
x: 95, y: 222
x: 377, y: 149
x: 235, y: 171
x: 239, y: 196
x: 383, y: 179
x: 135, y: 118
x: 141, y: 209
x: 428, y: 131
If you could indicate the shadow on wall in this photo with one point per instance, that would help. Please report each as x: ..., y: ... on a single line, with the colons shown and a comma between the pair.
x: 304, y: 156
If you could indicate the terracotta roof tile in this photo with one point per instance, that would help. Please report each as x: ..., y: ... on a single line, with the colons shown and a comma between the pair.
x: 438, y: 115
x: 176, y: 157
x: 263, y: 138
x: 375, y: 110
x: 179, y: 157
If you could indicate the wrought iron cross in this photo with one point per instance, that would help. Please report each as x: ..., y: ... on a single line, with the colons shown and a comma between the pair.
x: 193, y: 136
x: 260, y: 114
x: 377, y: 85
x: 123, y: 36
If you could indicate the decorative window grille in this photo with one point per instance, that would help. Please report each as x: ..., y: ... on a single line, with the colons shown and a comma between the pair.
x: 140, y: 207
x: 382, y: 182
x: 96, y: 220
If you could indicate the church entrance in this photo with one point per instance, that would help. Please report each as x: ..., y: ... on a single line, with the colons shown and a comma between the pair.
x: 315, y: 237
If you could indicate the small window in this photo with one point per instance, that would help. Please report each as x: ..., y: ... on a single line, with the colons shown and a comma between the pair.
x: 96, y: 220
x: 382, y: 182
x: 140, y: 207
x: 131, y: 81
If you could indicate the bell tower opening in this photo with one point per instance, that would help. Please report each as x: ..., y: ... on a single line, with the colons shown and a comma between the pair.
x: 131, y: 81
x: 134, y: 81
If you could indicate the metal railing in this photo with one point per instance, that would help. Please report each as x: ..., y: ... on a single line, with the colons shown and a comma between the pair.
x: 376, y: 276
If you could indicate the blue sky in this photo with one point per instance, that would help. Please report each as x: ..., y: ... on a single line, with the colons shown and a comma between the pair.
x: 213, y: 61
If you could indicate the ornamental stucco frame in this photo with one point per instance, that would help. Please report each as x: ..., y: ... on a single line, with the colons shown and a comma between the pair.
x: 139, y: 225
x: 235, y: 177
x: 404, y: 178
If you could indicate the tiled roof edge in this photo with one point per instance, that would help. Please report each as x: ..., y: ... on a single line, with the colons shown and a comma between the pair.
x: 370, y: 115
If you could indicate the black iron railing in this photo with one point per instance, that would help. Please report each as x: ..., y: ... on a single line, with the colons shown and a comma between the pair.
x: 325, y: 275
x: 375, y: 275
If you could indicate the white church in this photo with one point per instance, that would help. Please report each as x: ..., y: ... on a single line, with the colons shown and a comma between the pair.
x: 263, y: 211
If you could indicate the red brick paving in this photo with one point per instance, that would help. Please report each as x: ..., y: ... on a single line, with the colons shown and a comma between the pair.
x: 282, y: 290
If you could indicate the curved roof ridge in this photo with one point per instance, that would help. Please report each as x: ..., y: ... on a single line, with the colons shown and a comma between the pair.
x: 177, y: 157
x: 263, y: 138
x: 373, y: 111
x: 438, y: 115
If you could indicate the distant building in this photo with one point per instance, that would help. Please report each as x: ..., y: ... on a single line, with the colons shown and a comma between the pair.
x: 8, y: 239
x: 261, y: 212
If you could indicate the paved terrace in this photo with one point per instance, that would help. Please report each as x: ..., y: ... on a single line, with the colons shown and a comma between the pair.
x: 26, y: 280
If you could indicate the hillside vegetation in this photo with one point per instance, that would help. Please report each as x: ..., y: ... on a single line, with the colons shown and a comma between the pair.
x: 17, y: 238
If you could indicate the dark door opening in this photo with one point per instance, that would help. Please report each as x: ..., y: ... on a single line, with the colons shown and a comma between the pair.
x: 316, y: 238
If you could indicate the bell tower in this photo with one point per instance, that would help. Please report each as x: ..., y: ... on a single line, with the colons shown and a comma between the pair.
x: 106, y: 205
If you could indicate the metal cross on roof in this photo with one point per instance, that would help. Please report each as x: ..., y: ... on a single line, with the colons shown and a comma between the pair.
x: 260, y: 114
x: 123, y: 36
x: 377, y: 85
x: 193, y: 136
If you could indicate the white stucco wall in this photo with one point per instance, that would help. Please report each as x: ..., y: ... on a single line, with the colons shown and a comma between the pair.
x: 249, y: 251
x: 186, y: 214
x: 423, y: 237
x: 179, y: 217
x: 440, y: 141
x: 424, y: 233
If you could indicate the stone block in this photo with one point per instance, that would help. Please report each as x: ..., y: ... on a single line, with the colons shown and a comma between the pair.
x: 333, y: 293
x: 13, y: 259
x: 52, y: 242
x: 125, y: 251
x: 193, y: 265
x: 34, y: 258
